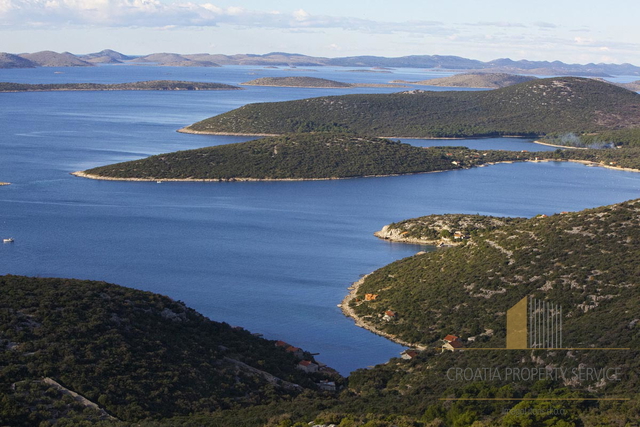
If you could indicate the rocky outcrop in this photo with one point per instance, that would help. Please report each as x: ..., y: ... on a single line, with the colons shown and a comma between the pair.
x: 398, y: 235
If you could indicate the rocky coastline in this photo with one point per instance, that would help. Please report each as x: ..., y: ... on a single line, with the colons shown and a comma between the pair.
x: 349, y: 312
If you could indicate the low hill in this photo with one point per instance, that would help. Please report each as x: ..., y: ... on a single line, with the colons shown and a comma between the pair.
x: 584, y: 261
x: 8, y: 60
x: 298, y: 156
x: 175, y: 60
x: 311, y: 82
x: 48, y: 58
x: 538, y: 107
x: 129, y: 354
x: 634, y: 86
x: 475, y: 80
x: 146, y: 85
x: 106, y: 56
x: 296, y: 81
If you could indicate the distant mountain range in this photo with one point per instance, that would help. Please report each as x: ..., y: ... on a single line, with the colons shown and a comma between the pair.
x: 282, y: 59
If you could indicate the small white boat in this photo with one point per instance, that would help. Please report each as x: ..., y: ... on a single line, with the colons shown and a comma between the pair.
x: 9, y: 240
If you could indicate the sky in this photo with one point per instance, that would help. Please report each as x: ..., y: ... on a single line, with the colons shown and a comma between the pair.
x: 564, y: 30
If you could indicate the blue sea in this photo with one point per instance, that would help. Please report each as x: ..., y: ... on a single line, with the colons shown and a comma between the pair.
x: 273, y: 257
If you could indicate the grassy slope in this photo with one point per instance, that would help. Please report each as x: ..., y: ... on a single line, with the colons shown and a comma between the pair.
x: 584, y: 261
x: 533, y: 108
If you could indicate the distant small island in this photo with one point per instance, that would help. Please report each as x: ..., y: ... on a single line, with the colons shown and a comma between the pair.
x: 309, y: 82
x: 145, y: 85
x: 474, y: 80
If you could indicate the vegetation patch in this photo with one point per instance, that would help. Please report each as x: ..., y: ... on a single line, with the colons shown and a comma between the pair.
x: 538, y: 107
x: 301, y: 156
x: 133, y: 354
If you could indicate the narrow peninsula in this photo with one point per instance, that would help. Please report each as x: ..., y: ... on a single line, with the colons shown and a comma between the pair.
x: 441, y: 230
x: 305, y: 156
x: 332, y: 155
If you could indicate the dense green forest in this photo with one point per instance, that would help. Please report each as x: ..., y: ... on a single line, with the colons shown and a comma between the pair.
x: 538, y: 107
x: 328, y: 155
x: 146, y: 85
x: 136, y: 354
x: 302, y: 156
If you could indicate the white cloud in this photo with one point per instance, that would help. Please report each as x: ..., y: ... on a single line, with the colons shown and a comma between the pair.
x: 300, y: 15
x: 5, y: 6
x: 184, y: 13
x: 583, y: 40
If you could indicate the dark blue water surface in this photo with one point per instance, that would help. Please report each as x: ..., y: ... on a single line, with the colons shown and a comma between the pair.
x: 274, y: 257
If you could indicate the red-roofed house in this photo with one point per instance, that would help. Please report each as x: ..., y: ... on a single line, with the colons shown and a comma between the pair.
x: 297, y: 352
x: 389, y: 315
x: 451, y: 343
x: 409, y: 354
x: 308, y: 366
x: 282, y: 344
x: 450, y: 338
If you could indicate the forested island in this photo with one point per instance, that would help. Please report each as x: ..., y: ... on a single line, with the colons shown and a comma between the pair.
x: 145, y: 85
x: 309, y: 82
x: 535, y: 108
x: 298, y: 157
x: 473, y: 80
x: 332, y: 155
